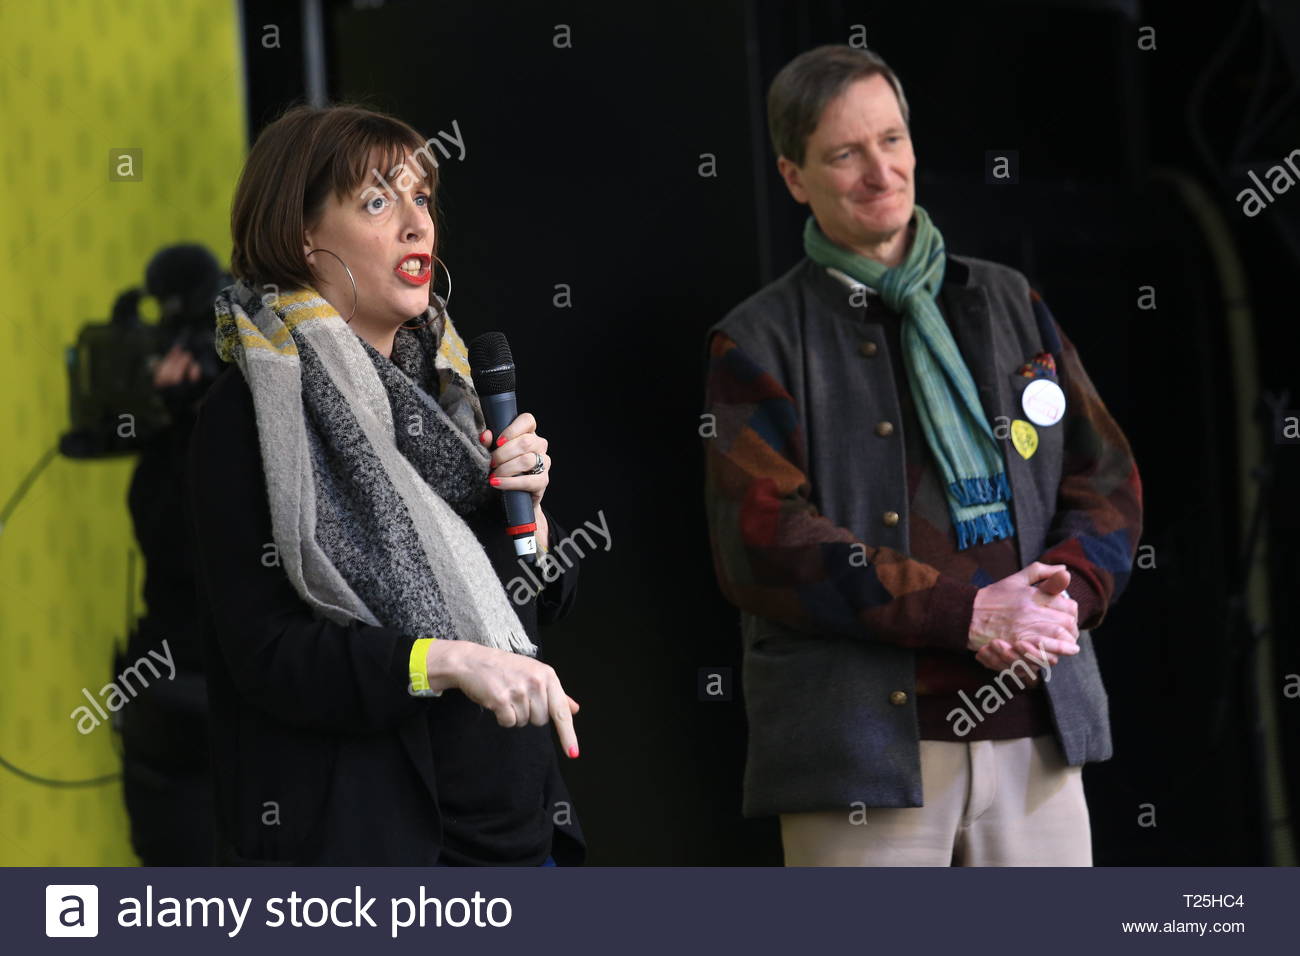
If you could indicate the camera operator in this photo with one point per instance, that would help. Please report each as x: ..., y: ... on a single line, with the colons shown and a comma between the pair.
x: 166, y: 773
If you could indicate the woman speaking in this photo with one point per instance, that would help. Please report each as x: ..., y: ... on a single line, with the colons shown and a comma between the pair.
x: 376, y: 697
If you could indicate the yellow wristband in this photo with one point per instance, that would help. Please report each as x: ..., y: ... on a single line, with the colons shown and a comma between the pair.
x: 418, y: 667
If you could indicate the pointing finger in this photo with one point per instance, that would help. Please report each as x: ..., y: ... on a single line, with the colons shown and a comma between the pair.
x: 562, y: 709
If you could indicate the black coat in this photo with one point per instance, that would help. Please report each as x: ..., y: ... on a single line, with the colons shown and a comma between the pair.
x: 320, y: 754
x: 166, y: 782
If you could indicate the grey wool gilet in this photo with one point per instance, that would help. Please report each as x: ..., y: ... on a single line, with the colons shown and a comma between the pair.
x: 826, y: 729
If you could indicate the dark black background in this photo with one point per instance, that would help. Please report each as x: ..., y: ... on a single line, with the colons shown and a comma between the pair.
x: 582, y: 169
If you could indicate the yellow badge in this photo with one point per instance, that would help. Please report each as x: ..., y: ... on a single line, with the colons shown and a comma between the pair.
x: 1025, y: 437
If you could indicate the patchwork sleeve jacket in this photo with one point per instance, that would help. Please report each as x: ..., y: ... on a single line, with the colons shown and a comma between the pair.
x: 809, y: 528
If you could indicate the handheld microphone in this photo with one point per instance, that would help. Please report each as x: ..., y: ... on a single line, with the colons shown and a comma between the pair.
x: 493, y: 369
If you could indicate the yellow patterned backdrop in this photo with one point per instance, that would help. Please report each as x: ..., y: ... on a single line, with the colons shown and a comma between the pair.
x: 79, y: 79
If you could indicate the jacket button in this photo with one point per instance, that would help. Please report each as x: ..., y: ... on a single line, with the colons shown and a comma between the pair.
x: 890, y: 518
x: 885, y: 429
x: 898, y: 698
x: 868, y: 349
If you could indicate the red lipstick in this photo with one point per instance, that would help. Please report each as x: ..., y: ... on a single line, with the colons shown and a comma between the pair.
x: 415, y: 278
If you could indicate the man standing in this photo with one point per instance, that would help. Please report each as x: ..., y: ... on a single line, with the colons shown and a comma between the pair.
x: 908, y: 467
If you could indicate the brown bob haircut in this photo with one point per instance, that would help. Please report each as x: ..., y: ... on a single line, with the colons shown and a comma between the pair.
x: 296, y: 163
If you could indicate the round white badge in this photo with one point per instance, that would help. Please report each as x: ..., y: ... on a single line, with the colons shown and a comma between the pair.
x: 1043, y: 402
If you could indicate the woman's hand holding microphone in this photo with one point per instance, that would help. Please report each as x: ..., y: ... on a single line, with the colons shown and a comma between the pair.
x: 515, y: 455
x: 519, y: 690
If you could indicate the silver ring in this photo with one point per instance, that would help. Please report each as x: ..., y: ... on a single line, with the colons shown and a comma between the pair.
x: 537, y: 468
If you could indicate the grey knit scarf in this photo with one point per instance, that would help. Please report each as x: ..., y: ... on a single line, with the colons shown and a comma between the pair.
x: 370, y: 465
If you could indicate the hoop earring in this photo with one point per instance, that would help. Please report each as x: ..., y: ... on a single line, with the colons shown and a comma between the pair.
x: 443, y: 311
x: 350, y: 276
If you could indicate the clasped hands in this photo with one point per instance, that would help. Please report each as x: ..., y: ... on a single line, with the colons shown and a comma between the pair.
x: 1025, y: 616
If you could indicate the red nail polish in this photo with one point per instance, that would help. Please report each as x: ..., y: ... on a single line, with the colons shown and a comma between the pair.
x: 494, y: 481
x: 573, y: 752
x: 482, y: 439
x: 501, y: 440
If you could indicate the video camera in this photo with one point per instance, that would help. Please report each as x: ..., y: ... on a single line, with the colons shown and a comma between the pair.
x: 113, y: 404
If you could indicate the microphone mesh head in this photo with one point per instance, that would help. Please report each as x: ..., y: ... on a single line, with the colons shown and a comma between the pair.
x: 491, y: 364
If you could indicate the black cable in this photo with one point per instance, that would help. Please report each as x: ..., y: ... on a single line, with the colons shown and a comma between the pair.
x: 1197, y: 94
x: 1262, y: 77
x: 51, y: 782
x: 1266, y: 121
x: 23, y: 487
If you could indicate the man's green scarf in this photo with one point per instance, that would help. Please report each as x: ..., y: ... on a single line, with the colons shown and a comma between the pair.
x: 947, y: 402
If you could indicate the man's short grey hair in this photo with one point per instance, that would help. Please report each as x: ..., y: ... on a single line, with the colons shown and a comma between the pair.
x: 805, y: 85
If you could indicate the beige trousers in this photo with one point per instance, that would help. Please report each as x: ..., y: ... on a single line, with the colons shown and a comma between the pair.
x: 987, y: 803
